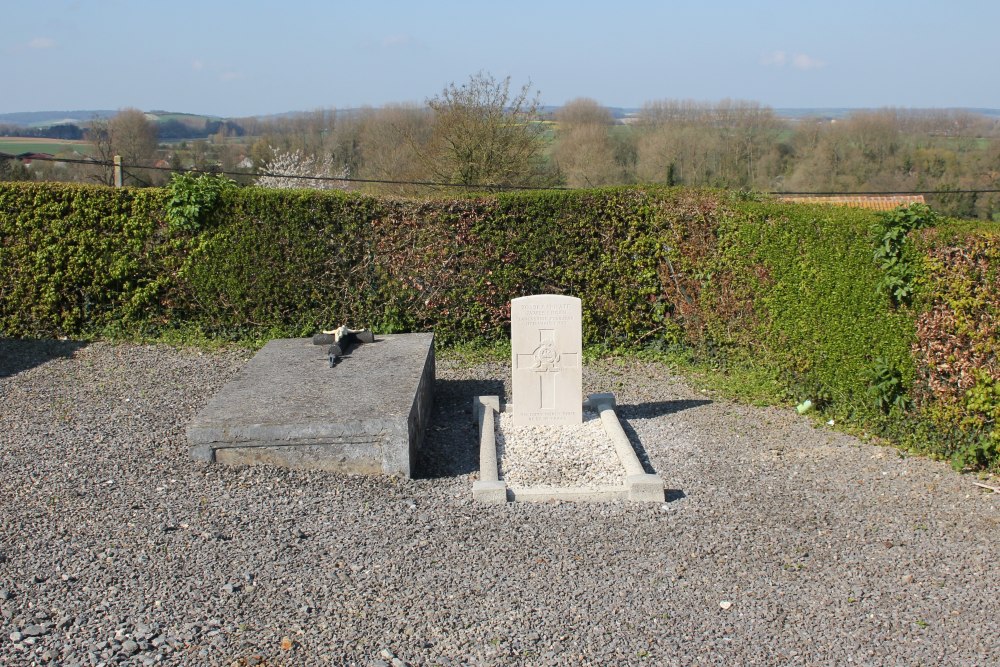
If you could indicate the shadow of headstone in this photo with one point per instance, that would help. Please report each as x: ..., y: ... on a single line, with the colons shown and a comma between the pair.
x: 660, y: 408
x: 451, y: 443
x: 647, y: 411
x: 21, y: 354
x: 670, y: 495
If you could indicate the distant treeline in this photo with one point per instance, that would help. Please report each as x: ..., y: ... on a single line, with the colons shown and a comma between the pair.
x: 168, y: 129
x: 475, y: 134
x: 177, y: 129
x: 730, y: 144
x: 67, y: 131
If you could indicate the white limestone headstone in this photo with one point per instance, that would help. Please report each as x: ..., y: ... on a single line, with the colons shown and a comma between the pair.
x: 546, y: 340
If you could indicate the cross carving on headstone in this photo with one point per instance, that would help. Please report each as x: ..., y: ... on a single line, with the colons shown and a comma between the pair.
x: 547, y: 361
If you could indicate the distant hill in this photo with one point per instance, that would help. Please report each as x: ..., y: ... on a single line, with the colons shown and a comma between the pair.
x: 992, y: 113
x: 69, y: 124
x: 41, y: 119
x: 843, y: 112
x: 48, y: 118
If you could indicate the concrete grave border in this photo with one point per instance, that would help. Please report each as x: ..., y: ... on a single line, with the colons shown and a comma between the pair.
x: 638, y: 485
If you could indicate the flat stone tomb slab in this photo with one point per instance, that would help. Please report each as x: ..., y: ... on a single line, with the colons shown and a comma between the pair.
x: 287, y: 407
x: 546, y: 343
x: 601, y: 466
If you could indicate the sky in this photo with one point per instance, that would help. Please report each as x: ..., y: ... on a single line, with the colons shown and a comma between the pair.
x: 249, y: 57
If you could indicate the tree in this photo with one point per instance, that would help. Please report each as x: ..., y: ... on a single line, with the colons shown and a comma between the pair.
x: 583, y: 111
x: 584, y: 152
x: 13, y: 170
x: 732, y: 143
x: 294, y: 170
x: 128, y: 134
x: 391, y: 139
x: 484, y: 134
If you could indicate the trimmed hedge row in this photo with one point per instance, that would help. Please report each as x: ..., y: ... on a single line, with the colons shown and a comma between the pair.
x: 794, y: 290
x: 76, y: 259
x: 804, y: 290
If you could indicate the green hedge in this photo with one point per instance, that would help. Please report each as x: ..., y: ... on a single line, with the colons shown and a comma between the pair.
x: 796, y: 291
x: 75, y: 259
x: 814, y: 311
x: 78, y: 259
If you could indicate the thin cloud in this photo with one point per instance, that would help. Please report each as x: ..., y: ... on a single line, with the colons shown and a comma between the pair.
x: 42, y: 43
x: 398, y: 42
x: 799, y: 61
x: 774, y: 59
x: 221, y: 71
x: 804, y: 62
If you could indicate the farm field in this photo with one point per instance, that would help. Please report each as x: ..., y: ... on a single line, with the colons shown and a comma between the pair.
x: 16, y: 145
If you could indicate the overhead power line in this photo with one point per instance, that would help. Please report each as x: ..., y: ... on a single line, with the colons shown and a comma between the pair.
x: 881, y: 193
x: 380, y: 181
x: 471, y: 186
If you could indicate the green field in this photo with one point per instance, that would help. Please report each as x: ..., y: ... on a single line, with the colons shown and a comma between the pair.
x: 16, y: 145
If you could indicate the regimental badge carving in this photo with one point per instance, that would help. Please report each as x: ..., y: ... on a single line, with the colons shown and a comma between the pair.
x: 546, y: 358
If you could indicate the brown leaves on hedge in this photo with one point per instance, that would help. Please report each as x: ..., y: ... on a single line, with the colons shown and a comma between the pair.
x: 691, y: 239
x: 428, y: 253
x: 959, y: 333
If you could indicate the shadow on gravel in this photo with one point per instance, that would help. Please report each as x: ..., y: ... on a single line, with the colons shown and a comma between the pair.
x: 670, y: 495
x: 648, y: 410
x: 21, y: 354
x: 660, y: 408
x: 451, y: 443
x: 640, y: 451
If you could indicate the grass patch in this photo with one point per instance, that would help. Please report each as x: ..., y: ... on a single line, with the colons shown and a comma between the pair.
x: 183, y: 335
x: 743, y: 381
x: 17, y: 145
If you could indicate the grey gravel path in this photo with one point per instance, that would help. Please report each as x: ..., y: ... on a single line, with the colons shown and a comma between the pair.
x: 781, y: 544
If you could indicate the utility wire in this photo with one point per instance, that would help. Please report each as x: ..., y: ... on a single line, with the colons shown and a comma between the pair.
x: 182, y: 170
x: 141, y: 181
x: 470, y: 186
x: 877, y: 193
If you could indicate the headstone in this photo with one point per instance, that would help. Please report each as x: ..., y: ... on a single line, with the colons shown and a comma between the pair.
x: 546, y: 340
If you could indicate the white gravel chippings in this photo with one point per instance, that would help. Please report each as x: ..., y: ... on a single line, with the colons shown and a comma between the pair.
x: 781, y: 543
x: 580, y: 455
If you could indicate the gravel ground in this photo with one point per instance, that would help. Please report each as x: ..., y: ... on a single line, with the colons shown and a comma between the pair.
x: 780, y: 543
x: 557, y: 456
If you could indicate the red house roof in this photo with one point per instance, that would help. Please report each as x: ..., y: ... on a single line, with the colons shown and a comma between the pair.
x: 877, y: 202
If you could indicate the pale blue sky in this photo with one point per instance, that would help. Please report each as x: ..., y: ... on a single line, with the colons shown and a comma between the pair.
x: 232, y: 58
